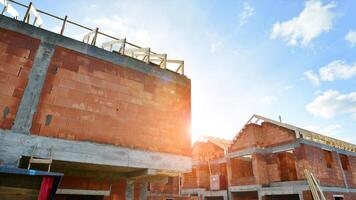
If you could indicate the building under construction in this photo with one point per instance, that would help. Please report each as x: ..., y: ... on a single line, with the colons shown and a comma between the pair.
x: 271, y: 160
x: 111, y: 121
x: 109, y: 117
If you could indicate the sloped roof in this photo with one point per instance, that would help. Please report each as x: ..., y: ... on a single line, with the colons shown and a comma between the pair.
x: 303, y: 133
x: 220, y: 142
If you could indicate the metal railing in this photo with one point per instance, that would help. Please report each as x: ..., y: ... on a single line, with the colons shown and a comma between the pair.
x: 118, y: 45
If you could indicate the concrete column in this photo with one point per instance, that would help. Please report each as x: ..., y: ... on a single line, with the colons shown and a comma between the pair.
x: 301, y: 197
x: 143, y: 191
x: 129, y: 192
x: 342, y: 170
x: 31, y: 96
x: 230, y: 197
x: 260, y: 195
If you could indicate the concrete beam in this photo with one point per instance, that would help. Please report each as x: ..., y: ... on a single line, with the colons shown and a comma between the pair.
x: 141, y: 173
x: 287, y: 147
x: 31, y: 96
x: 15, y: 145
x: 287, y: 187
x: 65, y: 42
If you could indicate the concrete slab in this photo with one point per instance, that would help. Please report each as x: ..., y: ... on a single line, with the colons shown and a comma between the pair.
x: 14, y: 146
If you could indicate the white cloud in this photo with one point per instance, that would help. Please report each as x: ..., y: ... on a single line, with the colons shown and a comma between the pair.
x: 312, y: 77
x: 247, y: 12
x: 335, y: 70
x: 315, y: 19
x: 351, y: 37
x: 332, y: 103
x: 267, y: 100
x: 119, y: 27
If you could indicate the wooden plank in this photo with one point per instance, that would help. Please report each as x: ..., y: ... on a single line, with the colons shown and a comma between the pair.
x: 15, y: 193
x: 83, y: 192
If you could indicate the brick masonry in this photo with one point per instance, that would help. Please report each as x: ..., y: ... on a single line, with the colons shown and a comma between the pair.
x: 268, y: 168
x: 17, y: 53
x: 88, y: 99
x: 199, y: 177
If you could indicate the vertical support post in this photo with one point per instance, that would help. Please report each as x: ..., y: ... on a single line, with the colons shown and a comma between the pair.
x: 143, y: 191
x: 301, y: 196
x: 27, y: 15
x: 123, y: 46
x: 64, y: 25
x: 93, y: 42
x: 164, y: 61
x: 182, y: 67
x: 260, y: 196
x: 46, y: 187
x: 6, y: 4
x: 148, y: 53
x: 342, y: 171
x: 129, y: 192
x: 31, y: 96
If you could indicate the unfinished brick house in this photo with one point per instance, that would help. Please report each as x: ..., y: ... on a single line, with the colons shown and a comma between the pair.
x: 208, y: 178
x: 169, y: 189
x: 267, y: 160
x: 109, y: 119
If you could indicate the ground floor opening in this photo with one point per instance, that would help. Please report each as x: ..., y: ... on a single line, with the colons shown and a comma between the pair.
x: 78, y: 197
x: 252, y: 195
x: 214, y: 198
x: 282, y: 197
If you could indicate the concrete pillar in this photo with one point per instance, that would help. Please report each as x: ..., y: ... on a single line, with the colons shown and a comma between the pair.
x: 301, y: 197
x: 143, y: 191
x: 31, y: 96
x: 129, y: 192
x: 260, y: 195
x: 342, y: 170
x: 230, y: 196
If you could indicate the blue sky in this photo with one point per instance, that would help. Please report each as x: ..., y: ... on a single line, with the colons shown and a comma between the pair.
x: 296, y: 59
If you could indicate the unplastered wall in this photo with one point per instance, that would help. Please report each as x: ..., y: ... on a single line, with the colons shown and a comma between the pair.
x: 171, y: 187
x: 316, y: 162
x: 206, y: 151
x: 16, y: 57
x: 264, y: 135
x: 88, y: 99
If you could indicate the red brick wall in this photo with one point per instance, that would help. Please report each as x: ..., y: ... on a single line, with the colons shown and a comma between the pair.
x: 200, y: 176
x: 351, y: 172
x: 202, y: 150
x: 190, y: 179
x: 72, y: 182
x: 265, y: 135
x: 94, y: 100
x: 171, y: 187
x: 117, y: 187
x: 17, y: 53
x: 315, y: 162
x: 241, y: 172
x: 247, y: 138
